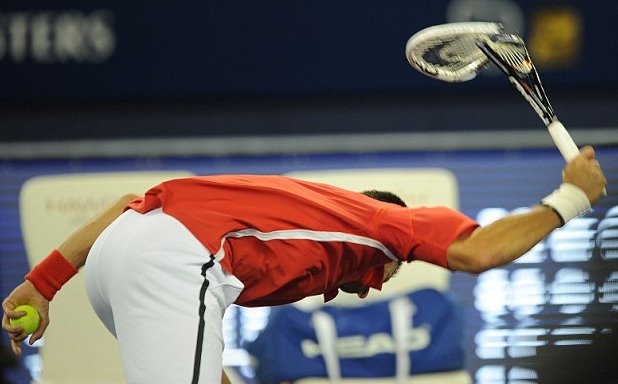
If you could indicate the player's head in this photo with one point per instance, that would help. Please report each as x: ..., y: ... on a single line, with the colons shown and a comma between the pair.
x: 391, y: 268
x: 388, y: 197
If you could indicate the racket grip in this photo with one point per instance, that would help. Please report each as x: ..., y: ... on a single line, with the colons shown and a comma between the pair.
x: 563, y: 140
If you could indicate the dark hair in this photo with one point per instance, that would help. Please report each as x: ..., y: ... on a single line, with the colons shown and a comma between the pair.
x: 386, y: 196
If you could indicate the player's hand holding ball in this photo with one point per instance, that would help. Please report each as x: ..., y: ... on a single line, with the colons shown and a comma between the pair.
x: 21, y: 320
x: 29, y: 322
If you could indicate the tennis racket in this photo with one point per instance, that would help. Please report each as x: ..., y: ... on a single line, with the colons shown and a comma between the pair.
x: 456, y: 52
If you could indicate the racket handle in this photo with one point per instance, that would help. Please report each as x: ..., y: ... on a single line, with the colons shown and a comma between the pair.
x: 563, y: 140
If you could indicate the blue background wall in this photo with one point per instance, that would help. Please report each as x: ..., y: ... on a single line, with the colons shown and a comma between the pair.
x: 74, y: 70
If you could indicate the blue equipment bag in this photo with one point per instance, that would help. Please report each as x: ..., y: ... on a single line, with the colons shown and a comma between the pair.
x: 363, y: 340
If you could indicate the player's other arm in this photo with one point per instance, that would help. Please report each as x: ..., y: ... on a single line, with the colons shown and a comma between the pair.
x: 509, y: 238
x: 74, y: 250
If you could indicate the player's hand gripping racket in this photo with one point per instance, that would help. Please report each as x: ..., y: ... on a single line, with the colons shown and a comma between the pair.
x: 458, y: 51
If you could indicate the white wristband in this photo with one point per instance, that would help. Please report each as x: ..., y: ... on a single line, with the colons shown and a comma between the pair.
x: 568, y: 201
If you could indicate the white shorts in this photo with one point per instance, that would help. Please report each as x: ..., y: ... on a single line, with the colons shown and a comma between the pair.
x: 144, y: 280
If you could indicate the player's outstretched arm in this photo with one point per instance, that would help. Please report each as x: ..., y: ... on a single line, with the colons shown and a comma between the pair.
x: 502, y: 241
x: 507, y: 239
x: 74, y: 251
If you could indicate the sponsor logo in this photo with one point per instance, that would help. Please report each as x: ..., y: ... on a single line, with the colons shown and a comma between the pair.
x: 360, y: 346
x: 57, y: 37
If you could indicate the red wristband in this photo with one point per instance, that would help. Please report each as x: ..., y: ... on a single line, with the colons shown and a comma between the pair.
x: 51, y: 274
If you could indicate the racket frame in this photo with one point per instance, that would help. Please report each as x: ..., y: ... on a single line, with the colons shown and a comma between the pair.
x: 528, y: 84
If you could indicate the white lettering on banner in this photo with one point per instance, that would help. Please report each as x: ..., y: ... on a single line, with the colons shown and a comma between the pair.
x: 360, y: 346
x: 57, y: 37
x: 76, y: 205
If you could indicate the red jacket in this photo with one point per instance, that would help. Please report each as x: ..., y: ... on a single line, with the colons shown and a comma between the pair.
x: 287, y: 239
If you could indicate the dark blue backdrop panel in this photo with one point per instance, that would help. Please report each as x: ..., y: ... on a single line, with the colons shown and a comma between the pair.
x: 117, y: 49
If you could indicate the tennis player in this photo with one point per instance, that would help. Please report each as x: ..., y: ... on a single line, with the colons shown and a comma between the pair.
x: 161, y: 269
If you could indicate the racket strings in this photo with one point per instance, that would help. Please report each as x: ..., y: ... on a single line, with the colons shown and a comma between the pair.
x: 448, y: 52
x: 458, y: 52
x: 451, y: 55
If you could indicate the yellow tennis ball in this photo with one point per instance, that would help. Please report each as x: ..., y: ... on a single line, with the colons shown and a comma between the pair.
x: 30, y: 321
